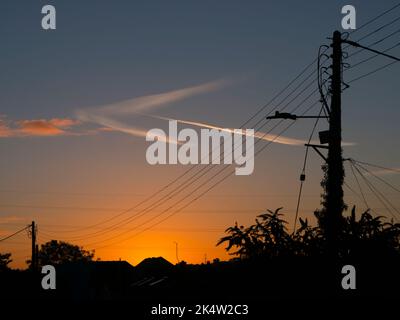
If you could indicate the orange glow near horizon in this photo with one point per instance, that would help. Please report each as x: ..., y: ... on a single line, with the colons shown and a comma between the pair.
x: 196, y: 229
x: 82, y: 181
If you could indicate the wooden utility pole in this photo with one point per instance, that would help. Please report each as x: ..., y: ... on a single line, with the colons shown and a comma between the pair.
x: 34, y: 255
x: 334, y: 204
x: 176, y: 251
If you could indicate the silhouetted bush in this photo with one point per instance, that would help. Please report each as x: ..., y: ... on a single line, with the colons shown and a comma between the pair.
x: 4, y: 261
x: 269, y: 237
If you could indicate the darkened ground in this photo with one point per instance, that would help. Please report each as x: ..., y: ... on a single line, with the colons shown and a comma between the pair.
x: 279, y: 286
x: 275, y: 279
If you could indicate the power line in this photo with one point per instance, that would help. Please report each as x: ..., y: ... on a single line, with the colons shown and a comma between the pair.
x: 372, y: 72
x: 379, y: 178
x: 376, y: 18
x: 372, y: 189
x: 377, y: 166
x: 365, y: 24
x: 381, y: 197
x: 375, y: 42
x: 190, y: 169
x: 178, y: 202
x: 190, y: 182
x: 379, y: 29
x: 255, y: 115
x: 15, y: 233
x: 356, y: 194
x: 373, y: 57
x: 181, y: 188
x: 359, y: 187
x: 193, y: 179
x: 303, y: 172
x: 200, y: 195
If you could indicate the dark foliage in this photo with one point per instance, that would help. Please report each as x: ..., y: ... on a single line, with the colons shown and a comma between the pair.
x: 269, y: 237
x: 58, y: 252
x: 4, y: 261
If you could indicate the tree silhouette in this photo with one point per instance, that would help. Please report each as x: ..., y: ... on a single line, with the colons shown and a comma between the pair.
x: 307, y: 240
x: 269, y: 237
x: 370, y: 235
x: 4, y: 261
x: 58, y: 252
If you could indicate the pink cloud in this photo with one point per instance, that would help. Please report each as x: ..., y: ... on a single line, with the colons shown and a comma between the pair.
x: 5, y: 131
x: 36, y: 127
x: 64, y: 123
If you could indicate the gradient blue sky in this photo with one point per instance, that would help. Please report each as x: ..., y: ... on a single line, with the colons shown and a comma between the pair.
x: 103, y: 52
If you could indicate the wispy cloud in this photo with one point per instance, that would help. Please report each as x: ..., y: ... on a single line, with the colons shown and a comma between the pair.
x: 257, y: 134
x: 104, y: 115
x: 115, y: 125
x: 149, y: 102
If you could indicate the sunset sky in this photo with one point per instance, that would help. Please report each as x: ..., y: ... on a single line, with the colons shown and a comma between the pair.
x: 76, y: 103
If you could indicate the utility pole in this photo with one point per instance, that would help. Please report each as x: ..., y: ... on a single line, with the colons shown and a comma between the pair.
x: 34, y: 247
x: 333, y: 198
x: 334, y: 204
x: 334, y: 174
x: 176, y: 251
